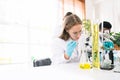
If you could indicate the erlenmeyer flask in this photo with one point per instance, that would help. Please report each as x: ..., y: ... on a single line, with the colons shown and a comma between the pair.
x: 84, y: 61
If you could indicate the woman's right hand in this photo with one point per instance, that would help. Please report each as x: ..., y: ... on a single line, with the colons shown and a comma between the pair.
x: 71, y: 45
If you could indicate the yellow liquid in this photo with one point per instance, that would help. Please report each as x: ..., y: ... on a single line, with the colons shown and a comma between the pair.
x: 85, y: 66
x: 95, y: 46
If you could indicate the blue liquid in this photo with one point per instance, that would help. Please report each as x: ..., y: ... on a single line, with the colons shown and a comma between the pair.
x: 108, y: 45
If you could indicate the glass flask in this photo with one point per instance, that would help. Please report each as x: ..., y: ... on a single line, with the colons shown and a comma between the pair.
x: 84, y: 60
x: 107, y: 58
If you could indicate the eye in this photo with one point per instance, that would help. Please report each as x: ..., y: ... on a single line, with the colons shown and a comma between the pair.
x: 80, y: 31
x: 74, y: 32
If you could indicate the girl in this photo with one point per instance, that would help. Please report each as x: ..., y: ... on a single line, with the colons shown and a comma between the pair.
x: 65, y: 47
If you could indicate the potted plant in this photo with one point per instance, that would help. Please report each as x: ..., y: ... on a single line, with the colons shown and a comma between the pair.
x: 115, y: 37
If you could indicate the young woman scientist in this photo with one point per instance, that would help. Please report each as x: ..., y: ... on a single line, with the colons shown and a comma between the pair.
x: 65, y: 48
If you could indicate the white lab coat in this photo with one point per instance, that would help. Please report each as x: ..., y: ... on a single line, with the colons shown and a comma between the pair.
x: 58, y: 50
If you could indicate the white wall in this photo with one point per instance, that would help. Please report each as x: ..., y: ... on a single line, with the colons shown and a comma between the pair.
x: 26, y: 29
x: 116, y: 15
x: 89, y: 9
x: 101, y: 10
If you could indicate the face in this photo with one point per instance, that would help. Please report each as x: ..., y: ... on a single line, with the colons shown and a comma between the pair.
x: 106, y: 30
x: 75, y: 32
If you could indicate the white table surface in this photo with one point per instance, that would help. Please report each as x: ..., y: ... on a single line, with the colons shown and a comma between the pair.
x: 69, y: 71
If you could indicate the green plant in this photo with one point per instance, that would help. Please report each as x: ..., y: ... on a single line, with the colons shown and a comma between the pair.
x: 115, y: 38
x: 87, y: 25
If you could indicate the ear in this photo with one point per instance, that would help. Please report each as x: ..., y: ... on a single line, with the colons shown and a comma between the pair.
x: 67, y: 31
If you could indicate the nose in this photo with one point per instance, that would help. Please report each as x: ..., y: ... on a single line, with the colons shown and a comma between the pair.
x: 78, y: 36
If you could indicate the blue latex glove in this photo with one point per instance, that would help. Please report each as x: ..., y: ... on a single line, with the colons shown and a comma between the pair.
x: 70, y: 47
